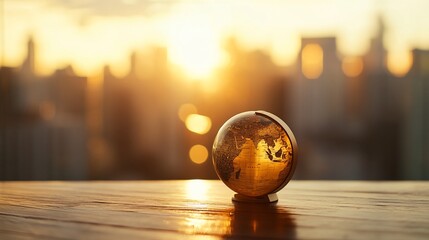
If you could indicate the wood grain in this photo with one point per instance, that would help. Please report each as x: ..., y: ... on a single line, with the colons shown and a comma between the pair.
x: 203, y: 209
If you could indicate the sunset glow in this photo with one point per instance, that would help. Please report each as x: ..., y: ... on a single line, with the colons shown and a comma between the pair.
x: 193, y: 32
x: 193, y: 45
x: 139, y: 89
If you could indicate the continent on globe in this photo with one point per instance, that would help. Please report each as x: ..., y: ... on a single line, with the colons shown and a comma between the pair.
x: 258, y: 164
x: 253, y: 153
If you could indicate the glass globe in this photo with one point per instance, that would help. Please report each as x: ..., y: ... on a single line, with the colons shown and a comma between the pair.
x: 254, y: 153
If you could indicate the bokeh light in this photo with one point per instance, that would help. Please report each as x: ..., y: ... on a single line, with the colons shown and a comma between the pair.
x: 352, y: 66
x: 399, y: 63
x: 312, y: 61
x: 185, y: 110
x: 198, y: 123
x: 198, y: 154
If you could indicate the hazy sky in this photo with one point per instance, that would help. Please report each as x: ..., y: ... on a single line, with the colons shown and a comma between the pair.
x: 91, y: 33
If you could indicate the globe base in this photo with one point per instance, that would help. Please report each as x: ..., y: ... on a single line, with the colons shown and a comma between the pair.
x: 269, y: 198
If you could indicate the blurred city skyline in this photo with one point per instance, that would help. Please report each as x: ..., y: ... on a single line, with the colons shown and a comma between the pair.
x: 91, y: 34
x: 77, y: 103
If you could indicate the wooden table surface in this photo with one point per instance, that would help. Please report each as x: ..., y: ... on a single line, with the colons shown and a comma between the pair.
x: 203, y: 209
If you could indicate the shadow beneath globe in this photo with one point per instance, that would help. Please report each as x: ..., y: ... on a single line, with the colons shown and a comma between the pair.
x: 253, y: 220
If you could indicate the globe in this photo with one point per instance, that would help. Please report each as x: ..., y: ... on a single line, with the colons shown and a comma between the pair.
x: 254, y: 153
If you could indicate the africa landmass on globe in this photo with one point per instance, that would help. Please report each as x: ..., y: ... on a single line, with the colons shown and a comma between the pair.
x: 256, y: 155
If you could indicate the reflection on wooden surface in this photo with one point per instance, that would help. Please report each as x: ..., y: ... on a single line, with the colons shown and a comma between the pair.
x: 203, y: 209
x: 261, y: 220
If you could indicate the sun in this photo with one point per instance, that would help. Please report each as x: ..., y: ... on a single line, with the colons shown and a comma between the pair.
x: 193, y: 45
